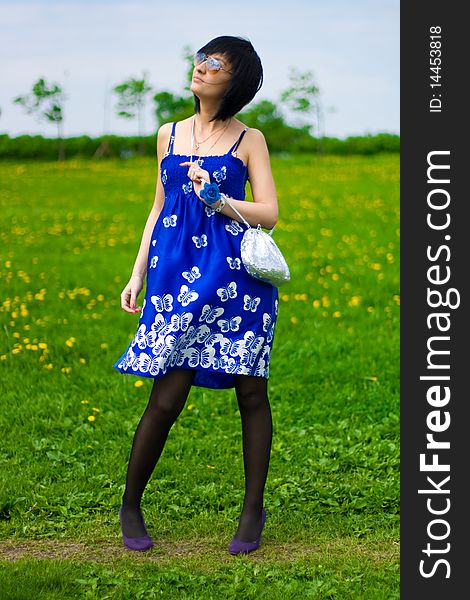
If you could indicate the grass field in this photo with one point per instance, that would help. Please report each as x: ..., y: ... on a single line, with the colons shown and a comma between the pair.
x: 69, y: 236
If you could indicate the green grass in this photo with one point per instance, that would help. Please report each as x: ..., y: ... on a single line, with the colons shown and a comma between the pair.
x: 69, y: 237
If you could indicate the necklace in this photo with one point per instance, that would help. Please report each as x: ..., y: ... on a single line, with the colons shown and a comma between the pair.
x: 197, y: 144
x: 192, y: 139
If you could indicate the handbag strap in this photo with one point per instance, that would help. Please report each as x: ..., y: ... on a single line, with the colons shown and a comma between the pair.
x: 242, y: 217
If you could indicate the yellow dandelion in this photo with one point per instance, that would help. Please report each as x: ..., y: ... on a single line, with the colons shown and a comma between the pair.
x: 84, y: 402
x: 103, y: 346
x: 316, y: 303
x: 190, y: 407
x: 82, y: 361
x: 139, y: 383
x: 95, y: 409
x: 3, y: 357
x: 91, y: 418
x: 336, y: 314
x: 294, y: 320
x: 49, y: 366
x: 42, y: 345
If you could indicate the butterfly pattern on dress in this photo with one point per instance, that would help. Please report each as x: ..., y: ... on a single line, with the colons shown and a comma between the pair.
x: 162, y: 303
x: 192, y: 274
x: 164, y: 177
x: 233, y: 227
x: 200, y: 241
x: 186, y: 295
x: 153, y: 262
x: 232, y: 324
x: 210, y: 313
x: 227, y: 292
x: 220, y: 175
x: 187, y: 187
x: 234, y: 263
x: 170, y: 221
x: 251, y: 303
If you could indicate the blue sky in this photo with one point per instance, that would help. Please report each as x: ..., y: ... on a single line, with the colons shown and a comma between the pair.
x: 352, y: 48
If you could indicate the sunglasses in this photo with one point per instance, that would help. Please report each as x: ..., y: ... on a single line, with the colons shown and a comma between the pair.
x: 213, y: 64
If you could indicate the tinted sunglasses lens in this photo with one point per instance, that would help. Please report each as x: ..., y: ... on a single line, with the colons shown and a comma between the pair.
x: 199, y: 57
x: 213, y: 64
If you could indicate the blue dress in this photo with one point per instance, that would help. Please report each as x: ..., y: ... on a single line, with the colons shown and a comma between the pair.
x: 202, y: 310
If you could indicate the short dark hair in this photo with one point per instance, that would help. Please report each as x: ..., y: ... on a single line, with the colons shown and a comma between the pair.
x: 247, y: 74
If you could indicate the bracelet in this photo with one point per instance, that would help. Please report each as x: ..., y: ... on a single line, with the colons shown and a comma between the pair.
x: 222, y: 203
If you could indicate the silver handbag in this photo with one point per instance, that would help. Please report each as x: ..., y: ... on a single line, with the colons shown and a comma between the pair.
x: 260, y: 254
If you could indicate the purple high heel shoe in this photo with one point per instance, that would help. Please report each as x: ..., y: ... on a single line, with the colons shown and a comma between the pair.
x: 141, y: 543
x: 239, y: 547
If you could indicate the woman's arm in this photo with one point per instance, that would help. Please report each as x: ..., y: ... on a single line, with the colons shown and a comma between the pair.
x: 140, y: 266
x: 264, y: 208
x: 133, y: 288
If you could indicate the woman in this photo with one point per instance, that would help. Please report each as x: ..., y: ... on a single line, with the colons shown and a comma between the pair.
x: 205, y: 321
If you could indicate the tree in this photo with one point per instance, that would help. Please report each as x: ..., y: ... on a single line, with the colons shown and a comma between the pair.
x: 53, y: 98
x: 131, y: 102
x: 304, y: 96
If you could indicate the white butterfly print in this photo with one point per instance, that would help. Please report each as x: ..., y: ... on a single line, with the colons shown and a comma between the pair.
x: 228, y: 364
x: 220, y: 175
x: 276, y: 302
x: 154, y: 242
x: 252, y: 344
x: 251, y: 303
x: 141, y: 338
x: 230, y: 291
x: 187, y: 187
x: 231, y: 347
x: 234, y: 263
x: 159, y: 328
x: 153, y: 262
x: 207, y: 337
x: 170, y: 221
x: 232, y: 324
x: 162, y: 302
x: 164, y: 177
x: 192, y: 275
x: 200, y: 241
x: 199, y: 161
x: 204, y: 357
x: 233, y: 227
x: 268, y: 326
x: 181, y: 321
x: 186, y: 295
x: 209, y: 211
x: 210, y: 313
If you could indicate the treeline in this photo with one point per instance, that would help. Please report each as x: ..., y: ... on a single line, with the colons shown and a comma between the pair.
x: 290, y: 141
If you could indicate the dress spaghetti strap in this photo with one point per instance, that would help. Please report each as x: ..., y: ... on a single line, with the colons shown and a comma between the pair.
x: 235, y: 145
x: 172, y: 140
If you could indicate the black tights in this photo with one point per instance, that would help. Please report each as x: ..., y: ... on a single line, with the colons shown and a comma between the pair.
x: 167, y: 400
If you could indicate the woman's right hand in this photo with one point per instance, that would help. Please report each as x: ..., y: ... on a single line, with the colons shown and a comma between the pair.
x: 130, y: 293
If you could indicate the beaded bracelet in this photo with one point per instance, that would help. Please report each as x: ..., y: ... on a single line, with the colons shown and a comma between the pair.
x: 223, y: 202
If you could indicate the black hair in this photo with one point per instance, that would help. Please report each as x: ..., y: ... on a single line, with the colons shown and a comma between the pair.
x: 247, y: 74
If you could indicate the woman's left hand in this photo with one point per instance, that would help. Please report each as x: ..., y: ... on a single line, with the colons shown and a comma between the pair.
x: 197, y: 176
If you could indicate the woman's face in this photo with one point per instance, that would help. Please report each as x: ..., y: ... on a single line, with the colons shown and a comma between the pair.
x: 209, y: 83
